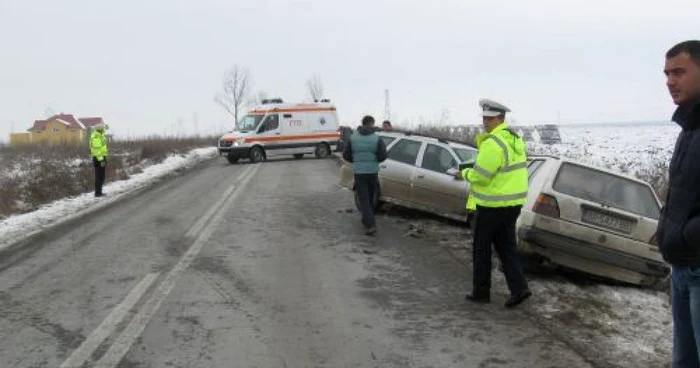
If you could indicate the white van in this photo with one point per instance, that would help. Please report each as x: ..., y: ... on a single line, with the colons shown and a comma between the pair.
x: 278, y: 129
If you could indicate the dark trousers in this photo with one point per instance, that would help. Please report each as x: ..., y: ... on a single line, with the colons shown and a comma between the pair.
x: 497, y: 226
x: 366, y: 186
x: 685, y: 286
x: 99, y: 175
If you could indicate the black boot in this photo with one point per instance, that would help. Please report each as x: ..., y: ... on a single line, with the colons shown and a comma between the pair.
x: 484, y: 298
x: 517, y: 299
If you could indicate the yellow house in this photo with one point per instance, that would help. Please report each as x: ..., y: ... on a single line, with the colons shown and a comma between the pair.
x: 58, y: 129
x: 20, y: 138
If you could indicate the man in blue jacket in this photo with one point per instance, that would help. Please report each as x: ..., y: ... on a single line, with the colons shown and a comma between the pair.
x: 679, y: 226
x: 365, y: 150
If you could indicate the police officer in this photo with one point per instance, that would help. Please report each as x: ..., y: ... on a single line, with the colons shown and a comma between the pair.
x: 498, y: 189
x: 98, y: 150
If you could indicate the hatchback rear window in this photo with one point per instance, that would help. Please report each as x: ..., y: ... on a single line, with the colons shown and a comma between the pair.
x: 604, y: 188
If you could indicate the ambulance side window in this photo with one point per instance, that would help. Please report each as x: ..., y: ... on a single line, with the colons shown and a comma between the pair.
x: 272, y: 122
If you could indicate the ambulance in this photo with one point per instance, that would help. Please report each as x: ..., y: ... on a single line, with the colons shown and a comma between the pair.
x: 276, y: 128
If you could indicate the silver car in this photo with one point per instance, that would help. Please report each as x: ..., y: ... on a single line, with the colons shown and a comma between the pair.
x: 419, y: 173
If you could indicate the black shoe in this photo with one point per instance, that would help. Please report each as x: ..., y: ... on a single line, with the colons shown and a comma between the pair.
x: 478, y: 298
x: 371, y: 231
x: 517, y: 299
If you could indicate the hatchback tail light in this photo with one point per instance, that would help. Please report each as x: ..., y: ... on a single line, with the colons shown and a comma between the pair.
x: 546, y: 205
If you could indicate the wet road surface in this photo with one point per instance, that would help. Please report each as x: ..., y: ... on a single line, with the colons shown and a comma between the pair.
x: 252, y: 266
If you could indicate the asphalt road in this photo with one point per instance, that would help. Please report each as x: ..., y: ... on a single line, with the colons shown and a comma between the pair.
x: 252, y: 266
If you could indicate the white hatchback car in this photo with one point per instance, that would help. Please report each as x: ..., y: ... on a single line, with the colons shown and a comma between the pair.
x: 592, y: 220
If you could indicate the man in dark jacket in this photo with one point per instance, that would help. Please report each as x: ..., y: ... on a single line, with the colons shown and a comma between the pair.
x: 386, y: 125
x: 365, y: 150
x: 679, y: 226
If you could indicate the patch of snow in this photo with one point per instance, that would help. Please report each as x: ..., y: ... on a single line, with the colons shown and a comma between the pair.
x: 17, y: 168
x: 15, y: 228
x: 64, y: 122
x: 617, y: 323
x: 77, y: 162
x: 627, y: 149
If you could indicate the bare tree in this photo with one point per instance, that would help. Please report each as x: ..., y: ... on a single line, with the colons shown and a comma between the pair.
x: 445, y: 116
x: 258, y: 98
x: 236, y: 87
x: 315, y: 87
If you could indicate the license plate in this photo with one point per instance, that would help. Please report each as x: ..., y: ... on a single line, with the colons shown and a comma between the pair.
x: 608, y: 221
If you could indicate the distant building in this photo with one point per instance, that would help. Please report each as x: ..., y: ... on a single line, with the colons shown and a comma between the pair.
x: 527, y: 133
x: 549, y: 133
x: 58, y: 129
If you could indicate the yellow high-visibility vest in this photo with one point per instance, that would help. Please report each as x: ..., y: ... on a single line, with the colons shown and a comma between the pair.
x: 499, y: 176
x: 98, y: 145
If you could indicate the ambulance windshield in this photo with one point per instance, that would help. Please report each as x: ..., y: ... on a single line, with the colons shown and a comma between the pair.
x: 248, y: 123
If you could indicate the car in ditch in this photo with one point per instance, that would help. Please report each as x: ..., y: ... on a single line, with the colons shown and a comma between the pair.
x: 592, y: 220
x: 419, y: 174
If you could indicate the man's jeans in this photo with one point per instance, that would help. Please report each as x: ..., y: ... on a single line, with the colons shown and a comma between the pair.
x: 685, y: 288
x: 366, y: 186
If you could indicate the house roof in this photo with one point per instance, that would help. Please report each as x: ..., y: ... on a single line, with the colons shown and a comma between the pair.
x: 39, y: 125
x: 91, y: 122
x: 69, y: 121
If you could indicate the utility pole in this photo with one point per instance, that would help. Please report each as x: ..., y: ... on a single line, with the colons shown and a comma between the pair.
x: 180, y: 125
x: 387, y: 106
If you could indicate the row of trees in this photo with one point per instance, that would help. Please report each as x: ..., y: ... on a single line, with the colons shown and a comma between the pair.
x: 237, y: 90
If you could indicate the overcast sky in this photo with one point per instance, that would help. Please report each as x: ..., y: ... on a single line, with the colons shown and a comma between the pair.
x: 146, y: 65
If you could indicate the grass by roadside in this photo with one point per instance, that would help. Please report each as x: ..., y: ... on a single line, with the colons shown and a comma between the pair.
x: 32, y: 176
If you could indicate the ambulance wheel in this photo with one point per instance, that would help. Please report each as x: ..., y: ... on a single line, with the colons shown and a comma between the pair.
x: 323, y: 151
x: 232, y: 160
x: 256, y: 154
x: 298, y: 156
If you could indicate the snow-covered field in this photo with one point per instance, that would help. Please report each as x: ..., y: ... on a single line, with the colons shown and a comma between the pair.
x: 629, y: 148
x: 16, y: 227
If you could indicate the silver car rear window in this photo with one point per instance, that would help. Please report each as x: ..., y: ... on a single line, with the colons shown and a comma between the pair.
x: 604, y: 188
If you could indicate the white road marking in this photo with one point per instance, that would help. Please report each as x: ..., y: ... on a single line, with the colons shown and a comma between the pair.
x: 127, y: 338
x: 197, y: 227
x: 109, y: 325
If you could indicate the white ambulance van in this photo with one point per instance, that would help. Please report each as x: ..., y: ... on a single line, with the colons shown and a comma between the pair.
x: 276, y: 128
